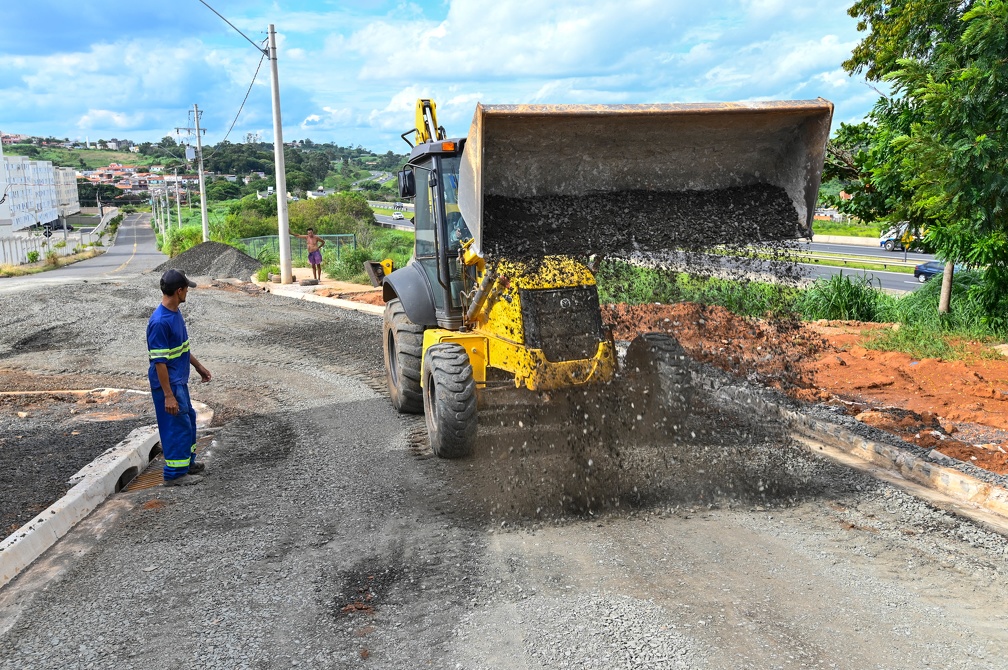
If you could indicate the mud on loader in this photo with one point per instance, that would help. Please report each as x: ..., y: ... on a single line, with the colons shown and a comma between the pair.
x: 509, y: 222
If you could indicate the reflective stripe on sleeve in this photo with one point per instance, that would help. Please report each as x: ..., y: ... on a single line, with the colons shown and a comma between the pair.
x: 169, y: 353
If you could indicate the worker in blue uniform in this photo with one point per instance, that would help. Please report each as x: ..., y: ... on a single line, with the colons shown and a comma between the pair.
x: 170, y: 358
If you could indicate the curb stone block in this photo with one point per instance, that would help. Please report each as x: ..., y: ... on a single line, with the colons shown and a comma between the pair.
x: 943, y: 478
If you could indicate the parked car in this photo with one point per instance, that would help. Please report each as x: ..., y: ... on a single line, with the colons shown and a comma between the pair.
x: 925, y: 271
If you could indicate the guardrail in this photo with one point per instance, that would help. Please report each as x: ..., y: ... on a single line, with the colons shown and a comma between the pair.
x: 861, y: 260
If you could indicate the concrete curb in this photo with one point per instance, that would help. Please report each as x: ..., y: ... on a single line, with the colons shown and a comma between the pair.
x: 961, y: 487
x: 96, y: 481
x: 306, y: 293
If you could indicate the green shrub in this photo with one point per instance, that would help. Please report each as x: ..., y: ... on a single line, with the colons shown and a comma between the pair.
x: 263, y: 273
x: 844, y: 297
x: 349, y: 266
x: 178, y: 240
x: 33, y: 257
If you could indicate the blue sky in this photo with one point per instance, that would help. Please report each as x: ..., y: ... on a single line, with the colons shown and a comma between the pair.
x: 351, y: 71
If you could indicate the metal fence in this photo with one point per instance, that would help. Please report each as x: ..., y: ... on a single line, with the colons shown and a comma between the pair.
x: 19, y: 249
x: 254, y: 246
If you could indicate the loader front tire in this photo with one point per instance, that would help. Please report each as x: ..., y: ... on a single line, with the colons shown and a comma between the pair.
x: 657, y: 364
x: 403, y: 348
x: 449, y: 397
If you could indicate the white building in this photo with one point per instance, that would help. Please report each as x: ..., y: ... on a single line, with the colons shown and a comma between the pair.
x: 32, y: 194
x: 67, y: 197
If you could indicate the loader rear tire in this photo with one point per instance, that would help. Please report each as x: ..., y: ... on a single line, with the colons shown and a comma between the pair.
x: 403, y: 348
x: 657, y: 363
x: 449, y: 395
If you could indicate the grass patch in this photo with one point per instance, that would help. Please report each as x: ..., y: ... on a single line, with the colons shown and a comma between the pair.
x: 619, y: 281
x: 51, y: 262
x: 846, y: 229
x: 846, y: 297
x: 925, y: 341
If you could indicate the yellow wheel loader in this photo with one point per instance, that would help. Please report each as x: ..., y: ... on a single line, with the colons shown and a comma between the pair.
x: 509, y: 220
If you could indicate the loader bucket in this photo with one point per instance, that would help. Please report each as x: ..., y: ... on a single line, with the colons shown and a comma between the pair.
x: 604, y: 179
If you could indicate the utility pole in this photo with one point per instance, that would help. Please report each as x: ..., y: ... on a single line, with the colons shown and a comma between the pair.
x: 202, y: 182
x: 283, y: 225
x: 178, y: 200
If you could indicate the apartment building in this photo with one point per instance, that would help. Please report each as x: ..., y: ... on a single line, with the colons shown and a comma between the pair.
x: 67, y: 197
x: 31, y: 193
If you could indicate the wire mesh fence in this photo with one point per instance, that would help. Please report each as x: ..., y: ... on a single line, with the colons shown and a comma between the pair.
x: 269, y: 245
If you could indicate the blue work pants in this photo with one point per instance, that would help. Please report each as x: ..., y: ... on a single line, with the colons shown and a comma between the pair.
x: 177, y: 431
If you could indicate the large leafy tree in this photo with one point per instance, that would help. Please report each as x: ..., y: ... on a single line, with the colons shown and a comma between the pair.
x: 948, y: 64
x: 957, y: 154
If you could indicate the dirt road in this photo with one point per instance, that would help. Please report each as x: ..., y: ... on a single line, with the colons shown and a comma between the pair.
x: 327, y: 536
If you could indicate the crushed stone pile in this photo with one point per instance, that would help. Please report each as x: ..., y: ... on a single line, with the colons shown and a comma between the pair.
x: 213, y: 259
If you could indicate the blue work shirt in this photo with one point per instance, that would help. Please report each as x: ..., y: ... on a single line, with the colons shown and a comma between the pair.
x: 168, y: 343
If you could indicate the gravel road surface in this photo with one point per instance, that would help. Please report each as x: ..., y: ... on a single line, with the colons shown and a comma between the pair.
x: 325, y: 535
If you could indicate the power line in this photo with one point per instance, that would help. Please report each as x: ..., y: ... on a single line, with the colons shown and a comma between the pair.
x: 258, y: 48
x: 241, y: 107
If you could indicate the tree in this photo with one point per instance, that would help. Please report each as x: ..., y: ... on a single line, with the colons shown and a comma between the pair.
x: 167, y: 142
x: 957, y: 153
x: 947, y: 63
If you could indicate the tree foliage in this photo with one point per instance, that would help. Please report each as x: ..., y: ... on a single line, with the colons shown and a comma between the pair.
x: 956, y: 154
x: 934, y: 151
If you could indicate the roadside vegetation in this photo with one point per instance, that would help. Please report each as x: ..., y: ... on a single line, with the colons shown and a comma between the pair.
x: 922, y: 332
x: 346, y: 213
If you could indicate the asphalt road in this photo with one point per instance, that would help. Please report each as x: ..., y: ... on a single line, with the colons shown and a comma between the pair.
x: 866, y: 250
x: 133, y: 252
x: 326, y: 535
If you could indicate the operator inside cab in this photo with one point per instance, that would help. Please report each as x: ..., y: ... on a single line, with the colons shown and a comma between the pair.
x: 458, y: 231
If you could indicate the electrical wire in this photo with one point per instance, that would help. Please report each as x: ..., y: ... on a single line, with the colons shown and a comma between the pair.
x: 258, y: 48
x: 258, y: 67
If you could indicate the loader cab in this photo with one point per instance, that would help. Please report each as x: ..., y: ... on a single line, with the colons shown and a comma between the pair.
x: 431, y: 178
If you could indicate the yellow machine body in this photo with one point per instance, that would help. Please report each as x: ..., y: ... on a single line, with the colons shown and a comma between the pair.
x: 498, y: 339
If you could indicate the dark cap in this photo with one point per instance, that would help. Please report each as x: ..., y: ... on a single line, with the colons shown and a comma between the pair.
x: 173, y: 280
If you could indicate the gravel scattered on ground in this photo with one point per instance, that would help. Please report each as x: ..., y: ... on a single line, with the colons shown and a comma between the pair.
x: 326, y: 536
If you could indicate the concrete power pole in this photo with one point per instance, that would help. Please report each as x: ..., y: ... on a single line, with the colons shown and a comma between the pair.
x: 283, y: 225
x: 178, y: 200
x: 202, y: 181
x: 202, y: 184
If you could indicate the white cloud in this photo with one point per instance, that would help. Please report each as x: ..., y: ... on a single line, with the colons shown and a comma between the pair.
x: 352, y: 72
x: 105, y: 118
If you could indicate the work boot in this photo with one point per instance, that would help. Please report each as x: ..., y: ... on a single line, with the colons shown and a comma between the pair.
x: 196, y: 468
x: 184, y: 480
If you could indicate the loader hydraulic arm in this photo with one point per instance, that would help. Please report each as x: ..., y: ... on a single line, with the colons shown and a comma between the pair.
x: 427, y: 128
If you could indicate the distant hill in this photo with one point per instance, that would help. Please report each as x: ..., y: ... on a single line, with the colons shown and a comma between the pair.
x: 79, y: 159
